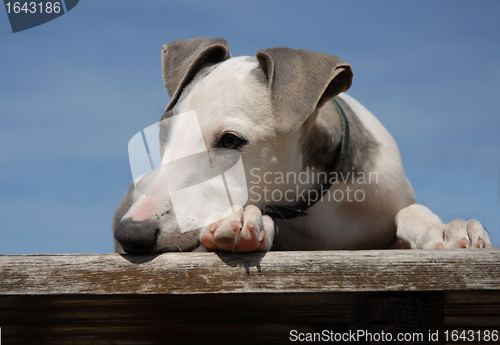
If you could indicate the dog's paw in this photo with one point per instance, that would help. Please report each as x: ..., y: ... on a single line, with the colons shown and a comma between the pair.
x: 456, y: 234
x: 242, y: 230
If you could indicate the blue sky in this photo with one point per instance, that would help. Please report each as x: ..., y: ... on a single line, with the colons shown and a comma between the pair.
x: 75, y: 90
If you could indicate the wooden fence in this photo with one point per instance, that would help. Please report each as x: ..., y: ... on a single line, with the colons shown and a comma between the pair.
x: 257, y: 298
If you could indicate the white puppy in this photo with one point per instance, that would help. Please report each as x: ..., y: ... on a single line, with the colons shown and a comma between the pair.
x: 285, y: 113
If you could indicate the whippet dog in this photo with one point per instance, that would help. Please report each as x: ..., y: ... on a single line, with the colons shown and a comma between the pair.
x: 285, y: 112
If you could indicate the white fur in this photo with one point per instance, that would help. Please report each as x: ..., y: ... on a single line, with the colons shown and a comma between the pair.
x: 229, y: 99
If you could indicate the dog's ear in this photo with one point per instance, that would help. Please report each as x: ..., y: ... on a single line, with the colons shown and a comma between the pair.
x: 300, y: 81
x: 182, y: 59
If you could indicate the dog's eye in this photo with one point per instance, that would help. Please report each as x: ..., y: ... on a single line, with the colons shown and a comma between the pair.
x: 231, y: 141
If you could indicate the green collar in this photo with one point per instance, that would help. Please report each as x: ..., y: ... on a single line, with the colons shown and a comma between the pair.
x: 287, y: 212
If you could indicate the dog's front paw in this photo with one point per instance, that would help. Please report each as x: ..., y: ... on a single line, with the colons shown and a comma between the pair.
x: 456, y: 234
x: 239, y: 231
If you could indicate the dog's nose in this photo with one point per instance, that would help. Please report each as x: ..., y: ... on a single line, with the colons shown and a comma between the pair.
x: 137, y: 237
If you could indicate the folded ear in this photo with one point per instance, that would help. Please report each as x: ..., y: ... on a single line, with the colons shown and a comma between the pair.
x: 182, y: 59
x: 300, y: 81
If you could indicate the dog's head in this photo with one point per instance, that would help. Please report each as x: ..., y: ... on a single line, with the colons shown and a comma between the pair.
x: 260, y: 106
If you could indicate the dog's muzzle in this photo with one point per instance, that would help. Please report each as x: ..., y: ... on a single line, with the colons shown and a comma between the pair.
x: 170, y: 158
x: 137, y: 237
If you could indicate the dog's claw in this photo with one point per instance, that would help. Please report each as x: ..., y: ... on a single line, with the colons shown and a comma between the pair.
x: 457, y: 234
x: 464, y: 243
x: 480, y: 243
x: 241, y: 231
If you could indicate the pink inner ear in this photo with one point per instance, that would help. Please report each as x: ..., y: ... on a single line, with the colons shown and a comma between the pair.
x: 146, y: 207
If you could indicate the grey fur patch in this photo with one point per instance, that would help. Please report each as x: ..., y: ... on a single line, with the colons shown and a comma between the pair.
x: 299, y: 81
x: 180, y: 56
x: 321, y: 139
x: 363, y: 147
x: 183, y: 59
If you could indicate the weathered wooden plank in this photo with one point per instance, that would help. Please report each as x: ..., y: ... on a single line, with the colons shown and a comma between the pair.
x: 243, y: 299
x: 174, y: 318
x: 235, y: 318
x: 321, y: 307
x: 272, y: 272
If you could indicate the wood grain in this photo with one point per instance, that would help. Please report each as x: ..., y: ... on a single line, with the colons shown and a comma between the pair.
x: 257, y: 298
x: 272, y: 272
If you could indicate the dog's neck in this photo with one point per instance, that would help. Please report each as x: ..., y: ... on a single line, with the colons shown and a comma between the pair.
x: 300, y: 208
